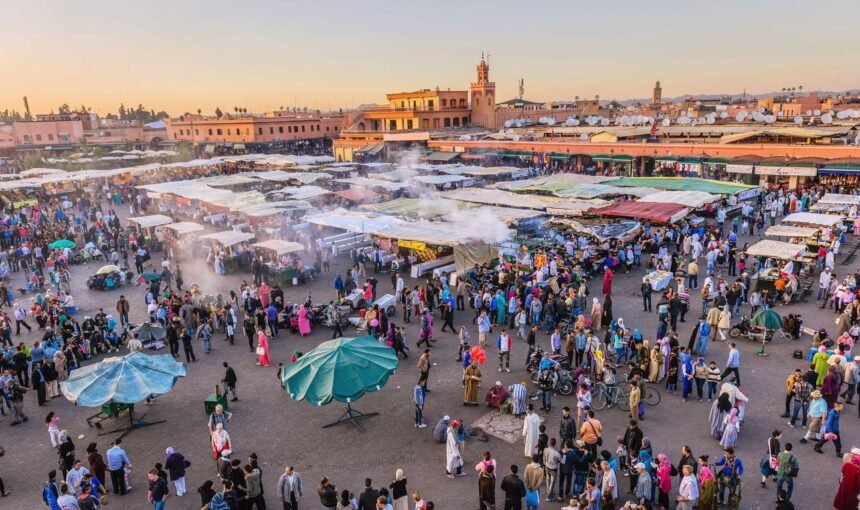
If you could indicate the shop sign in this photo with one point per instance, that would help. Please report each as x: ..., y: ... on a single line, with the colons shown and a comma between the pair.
x: 750, y: 193
x: 739, y: 169
x: 412, y: 245
x: 799, y: 171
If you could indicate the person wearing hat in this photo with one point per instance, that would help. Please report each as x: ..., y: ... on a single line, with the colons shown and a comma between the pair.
x: 644, y: 484
x: 817, y: 410
x: 453, y: 461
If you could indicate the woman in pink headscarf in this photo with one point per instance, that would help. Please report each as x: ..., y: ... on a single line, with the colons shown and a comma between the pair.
x: 664, y: 479
x: 731, y: 429
x: 265, y: 294
x: 707, y: 487
x: 262, y: 349
x: 304, y: 321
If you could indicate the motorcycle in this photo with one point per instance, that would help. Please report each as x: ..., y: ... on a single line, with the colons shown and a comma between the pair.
x: 537, y: 356
x: 745, y: 329
x: 562, y: 381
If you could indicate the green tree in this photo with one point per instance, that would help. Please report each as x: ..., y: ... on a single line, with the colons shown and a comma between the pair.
x: 64, y: 109
x: 122, y: 112
x: 218, y: 112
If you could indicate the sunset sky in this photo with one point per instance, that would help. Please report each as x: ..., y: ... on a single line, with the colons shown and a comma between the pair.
x: 181, y: 55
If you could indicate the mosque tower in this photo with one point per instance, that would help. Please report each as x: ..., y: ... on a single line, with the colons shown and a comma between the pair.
x: 484, y: 97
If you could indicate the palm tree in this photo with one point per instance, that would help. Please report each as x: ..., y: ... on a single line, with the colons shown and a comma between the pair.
x: 597, y: 97
x: 199, y: 111
x: 576, y: 98
x: 800, y: 88
x: 235, y: 109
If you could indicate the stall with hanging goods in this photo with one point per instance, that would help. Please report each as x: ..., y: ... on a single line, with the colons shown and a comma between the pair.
x: 223, y: 254
x: 783, y: 269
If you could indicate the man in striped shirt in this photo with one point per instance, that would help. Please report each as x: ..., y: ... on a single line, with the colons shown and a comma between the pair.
x: 684, y: 296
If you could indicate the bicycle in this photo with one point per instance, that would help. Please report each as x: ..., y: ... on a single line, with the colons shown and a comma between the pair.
x: 602, y: 396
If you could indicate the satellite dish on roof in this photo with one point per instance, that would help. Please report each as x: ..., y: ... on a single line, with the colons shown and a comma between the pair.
x: 710, y: 120
x: 826, y: 118
x: 724, y: 115
x: 666, y: 122
x: 583, y: 137
x: 817, y: 112
x: 798, y: 120
x: 780, y: 113
x: 516, y: 138
x: 808, y: 113
x: 741, y: 116
x: 604, y: 122
x: 509, y: 123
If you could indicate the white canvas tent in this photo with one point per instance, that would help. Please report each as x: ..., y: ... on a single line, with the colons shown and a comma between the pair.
x: 838, y: 198
x: 806, y: 218
x: 790, y: 231
x: 229, y: 237
x: 184, y: 227
x: 279, y: 246
x: 694, y: 199
x: 153, y: 220
x: 776, y: 249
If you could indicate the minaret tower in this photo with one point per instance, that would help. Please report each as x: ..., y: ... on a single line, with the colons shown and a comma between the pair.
x: 484, y: 97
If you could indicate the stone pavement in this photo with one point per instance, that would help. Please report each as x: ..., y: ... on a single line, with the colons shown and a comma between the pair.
x: 282, y: 431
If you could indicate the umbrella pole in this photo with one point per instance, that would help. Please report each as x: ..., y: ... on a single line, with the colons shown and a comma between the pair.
x: 761, y: 352
x: 351, y: 416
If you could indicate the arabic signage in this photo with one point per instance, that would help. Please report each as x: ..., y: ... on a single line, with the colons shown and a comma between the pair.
x: 800, y: 171
x: 739, y: 169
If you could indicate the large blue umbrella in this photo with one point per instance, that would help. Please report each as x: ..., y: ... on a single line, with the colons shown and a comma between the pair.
x: 122, y: 380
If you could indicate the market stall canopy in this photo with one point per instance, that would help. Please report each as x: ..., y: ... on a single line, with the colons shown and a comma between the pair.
x: 236, y: 201
x: 694, y: 199
x: 806, y: 218
x: 563, y: 178
x: 357, y: 194
x: 418, y: 207
x: 367, y: 182
x: 229, y: 237
x: 776, y: 249
x: 440, y: 179
x: 279, y: 246
x: 839, y: 198
x: 492, y: 171
x: 226, y: 180
x: 443, y: 233
x: 153, y: 220
x: 122, y: 380
x: 684, y: 184
x: 566, y: 190
x: 41, y: 171
x: 442, y: 156
x: 273, y: 208
x: 601, y: 231
x: 351, y: 221
x: 551, y: 205
x: 184, y: 227
x: 653, y: 211
x: 303, y: 192
x: 790, y: 231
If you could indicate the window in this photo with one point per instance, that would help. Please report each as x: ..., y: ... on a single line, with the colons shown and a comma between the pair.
x: 219, y: 131
x: 259, y: 131
x: 210, y: 131
x: 271, y: 130
x: 444, y: 102
x: 281, y: 129
x: 27, y: 139
x: 326, y: 129
x: 38, y: 138
x: 392, y: 125
x: 465, y: 121
x: 436, y: 123
x: 462, y: 103
x: 318, y: 127
x: 456, y: 121
x: 447, y: 122
x: 425, y: 123
x: 409, y: 124
x: 50, y: 137
x: 196, y: 131
x: 490, y: 101
x: 430, y: 104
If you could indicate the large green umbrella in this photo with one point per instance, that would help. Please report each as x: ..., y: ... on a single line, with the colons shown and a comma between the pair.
x: 767, y: 319
x: 344, y: 370
x: 59, y: 244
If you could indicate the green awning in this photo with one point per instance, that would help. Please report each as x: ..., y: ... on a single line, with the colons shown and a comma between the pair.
x: 622, y: 158
x: 717, y: 161
x: 695, y: 161
x: 601, y: 157
x: 560, y: 156
x: 442, y: 156
x: 667, y: 159
x: 682, y: 184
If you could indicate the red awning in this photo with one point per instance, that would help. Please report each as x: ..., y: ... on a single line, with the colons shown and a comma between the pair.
x: 357, y: 194
x: 653, y: 211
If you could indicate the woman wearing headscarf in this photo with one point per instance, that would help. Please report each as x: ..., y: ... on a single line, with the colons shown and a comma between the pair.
x: 849, y: 485
x: 664, y: 480
x: 707, y: 487
x: 830, y: 386
x: 220, y: 441
x: 731, y: 429
x: 596, y: 314
x: 607, y: 310
x: 262, y: 349
x: 719, y: 408
x: 66, y: 453
x: 304, y: 321
x: 655, y: 362
x: 96, y: 462
x: 175, y: 465
x: 820, y: 362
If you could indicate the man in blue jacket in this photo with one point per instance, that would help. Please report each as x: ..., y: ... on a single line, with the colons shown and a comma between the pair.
x: 831, y: 430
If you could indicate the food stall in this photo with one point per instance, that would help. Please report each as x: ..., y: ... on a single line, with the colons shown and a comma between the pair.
x: 226, y: 244
x: 797, y: 234
x: 177, y: 237
x: 777, y: 260
x: 652, y: 211
x: 281, y: 259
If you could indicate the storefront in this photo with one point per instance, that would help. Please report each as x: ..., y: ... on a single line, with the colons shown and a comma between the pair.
x: 742, y: 172
x: 789, y: 177
x: 847, y: 175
